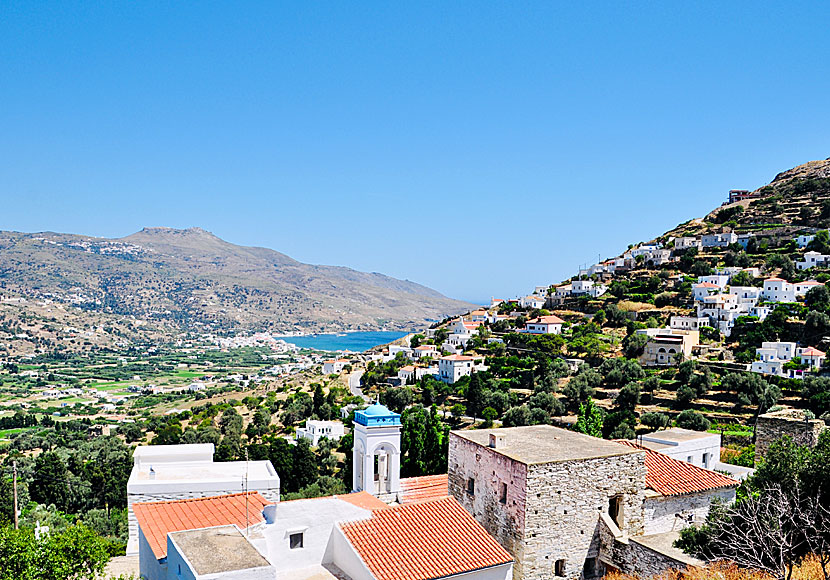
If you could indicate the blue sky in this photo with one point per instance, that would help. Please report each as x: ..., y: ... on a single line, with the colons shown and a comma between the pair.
x: 479, y: 148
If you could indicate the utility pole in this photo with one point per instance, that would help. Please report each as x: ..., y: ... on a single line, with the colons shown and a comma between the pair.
x: 14, y: 484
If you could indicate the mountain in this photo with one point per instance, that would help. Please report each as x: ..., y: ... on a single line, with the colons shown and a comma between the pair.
x: 193, y: 279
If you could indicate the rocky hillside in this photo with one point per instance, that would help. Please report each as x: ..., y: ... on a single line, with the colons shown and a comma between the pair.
x: 193, y: 279
x: 796, y: 199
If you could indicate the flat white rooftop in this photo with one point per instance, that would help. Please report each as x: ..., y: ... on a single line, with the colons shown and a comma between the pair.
x: 171, y: 468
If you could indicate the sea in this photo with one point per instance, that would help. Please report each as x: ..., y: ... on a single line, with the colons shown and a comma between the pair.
x: 353, y: 341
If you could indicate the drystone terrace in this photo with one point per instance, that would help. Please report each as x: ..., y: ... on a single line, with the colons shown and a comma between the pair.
x: 793, y: 423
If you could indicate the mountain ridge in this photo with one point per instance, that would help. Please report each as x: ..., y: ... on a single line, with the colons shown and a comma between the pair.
x: 189, y: 276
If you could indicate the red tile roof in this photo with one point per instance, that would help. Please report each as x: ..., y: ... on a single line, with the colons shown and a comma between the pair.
x: 810, y: 351
x: 669, y: 476
x: 456, y: 357
x: 546, y: 320
x: 157, y: 519
x: 424, y: 488
x: 363, y: 499
x: 423, y: 541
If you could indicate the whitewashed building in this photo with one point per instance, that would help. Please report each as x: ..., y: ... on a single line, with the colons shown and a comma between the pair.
x: 172, y: 472
x: 532, y: 302
x: 544, y: 325
x: 718, y: 240
x: 804, y: 240
x: 813, y: 260
x: 315, y: 430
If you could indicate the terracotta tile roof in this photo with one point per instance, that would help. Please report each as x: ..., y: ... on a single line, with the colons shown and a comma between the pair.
x: 546, y: 320
x: 157, y: 519
x: 424, y: 488
x: 456, y: 357
x: 669, y: 476
x: 423, y: 541
x: 706, y: 285
x: 812, y: 352
x: 363, y: 499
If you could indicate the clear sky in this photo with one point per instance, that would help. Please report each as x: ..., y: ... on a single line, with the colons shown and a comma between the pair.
x: 480, y: 148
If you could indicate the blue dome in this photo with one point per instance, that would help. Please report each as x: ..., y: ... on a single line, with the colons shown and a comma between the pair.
x: 376, y: 410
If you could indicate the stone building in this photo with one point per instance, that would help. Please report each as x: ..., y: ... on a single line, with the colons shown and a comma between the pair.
x: 567, y: 505
x: 793, y: 422
x: 539, y: 491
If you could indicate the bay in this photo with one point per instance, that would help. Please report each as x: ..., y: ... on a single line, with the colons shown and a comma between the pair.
x: 353, y: 341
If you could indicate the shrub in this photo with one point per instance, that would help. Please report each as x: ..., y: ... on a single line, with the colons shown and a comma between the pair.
x: 692, y: 420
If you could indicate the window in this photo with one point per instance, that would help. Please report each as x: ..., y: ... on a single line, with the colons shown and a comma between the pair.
x: 471, y: 486
x: 503, y: 493
x: 706, y: 457
x: 615, y: 509
x: 295, y: 541
x: 559, y: 568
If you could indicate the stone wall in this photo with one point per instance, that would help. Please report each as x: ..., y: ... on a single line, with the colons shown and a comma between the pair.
x: 565, y: 500
x: 661, y: 512
x: 551, y: 510
x: 772, y: 426
x: 504, y: 521
x: 631, y: 557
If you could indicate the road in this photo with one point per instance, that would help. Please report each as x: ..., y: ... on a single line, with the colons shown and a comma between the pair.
x: 354, y: 385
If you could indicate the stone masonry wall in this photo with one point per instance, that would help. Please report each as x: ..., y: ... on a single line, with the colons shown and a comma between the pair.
x: 504, y: 521
x: 634, y: 558
x: 661, y: 512
x: 772, y: 426
x: 565, y: 500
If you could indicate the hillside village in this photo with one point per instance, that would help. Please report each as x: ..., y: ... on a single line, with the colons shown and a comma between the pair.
x: 622, y: 424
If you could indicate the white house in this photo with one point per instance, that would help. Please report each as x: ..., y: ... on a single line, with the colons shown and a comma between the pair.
x: 812, y: 357
x: 479, y: 316
x: 544, y: 325
x: 453, y: 367
x: 801, y: 288
x: 688, y: 322
x: 718, y: 240
x: 704, y: 289
x: 684, y: 243
x: 315, y: 430
x: 746, y: 293
x: 803, y: 240
x: 778, y: 290
x: 813, y: 259
x: 719, y: 280
x: 772, y: 358
x: 562, y: 292
x: 425, y: 350
x: 164, y: 472
x: 334, y: 366
x: 406, y: 374
x: 532, y: 302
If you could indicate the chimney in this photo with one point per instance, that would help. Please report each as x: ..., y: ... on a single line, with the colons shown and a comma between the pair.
x: 496, y: 441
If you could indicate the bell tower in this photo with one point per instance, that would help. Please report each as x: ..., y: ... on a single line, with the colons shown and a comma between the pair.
x: 376, y: 455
